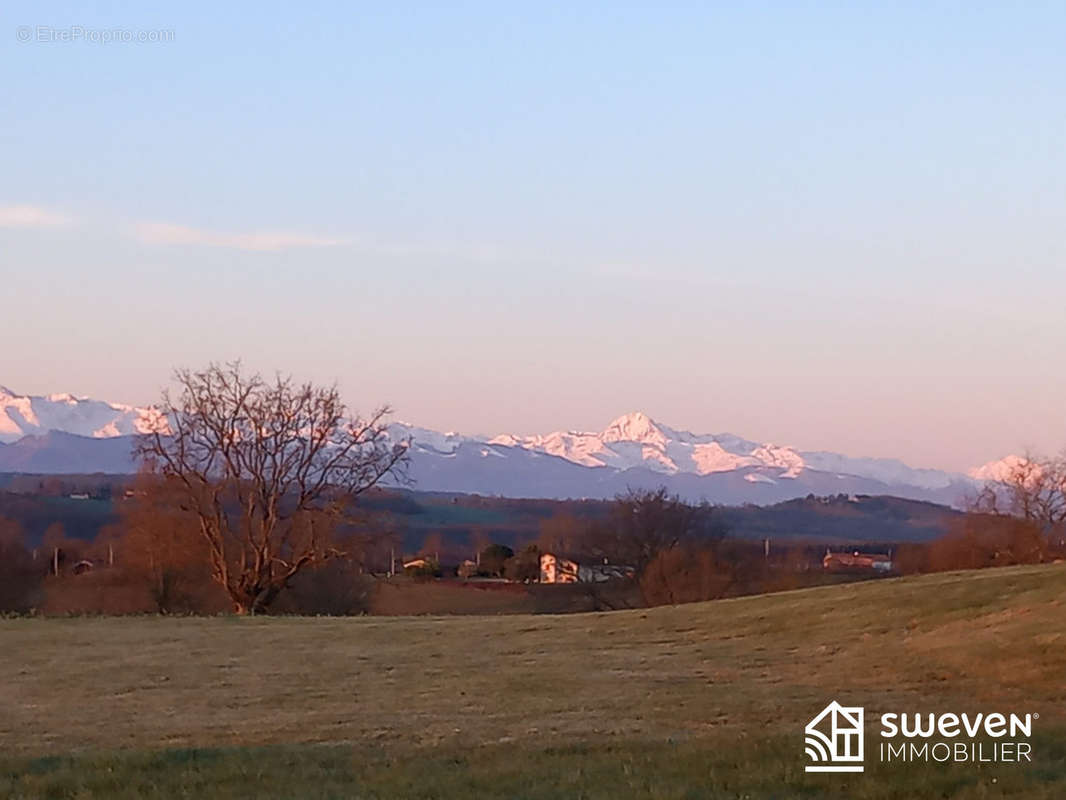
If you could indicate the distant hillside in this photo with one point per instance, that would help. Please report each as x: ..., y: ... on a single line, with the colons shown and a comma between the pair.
x: 831, y: 521
x: 59, y: 453
x: 844, y: 519
x: 460, y: 519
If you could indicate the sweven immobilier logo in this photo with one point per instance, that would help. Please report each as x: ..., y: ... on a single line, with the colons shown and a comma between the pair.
x: 834, y: 739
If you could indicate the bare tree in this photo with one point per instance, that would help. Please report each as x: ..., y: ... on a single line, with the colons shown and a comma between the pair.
x: 269, y: 468
x: 1033, y: 489
x: 160, y: 547
x: 20, y: 573
x: 644, y: 523
x: 562, y: 532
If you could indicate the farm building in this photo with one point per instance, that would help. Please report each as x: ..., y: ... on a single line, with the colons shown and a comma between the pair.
x: 855, y: 561
x: 570, y: 568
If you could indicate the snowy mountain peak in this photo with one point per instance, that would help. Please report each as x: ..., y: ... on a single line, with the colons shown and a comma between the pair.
x: 26, y: 415
x: 634, y: 427
x: 1000, y: 470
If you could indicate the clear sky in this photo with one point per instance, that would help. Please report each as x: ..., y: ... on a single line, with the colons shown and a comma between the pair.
x: 835, y: 226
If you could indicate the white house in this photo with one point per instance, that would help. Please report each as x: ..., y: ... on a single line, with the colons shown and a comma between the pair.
x: 559, y: 568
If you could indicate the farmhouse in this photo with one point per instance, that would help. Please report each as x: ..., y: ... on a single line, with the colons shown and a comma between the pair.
x: 467, y: 569
x: 855, y: 561
x: 572, y: 568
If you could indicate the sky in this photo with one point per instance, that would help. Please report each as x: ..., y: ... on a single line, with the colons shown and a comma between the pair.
x: 832, y: 226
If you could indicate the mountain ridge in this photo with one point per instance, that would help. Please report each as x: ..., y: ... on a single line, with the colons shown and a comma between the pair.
x: 633, y: 450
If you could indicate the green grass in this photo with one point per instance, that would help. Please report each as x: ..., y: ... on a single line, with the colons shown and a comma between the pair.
x: 756, y: 768
x: 706, y: 700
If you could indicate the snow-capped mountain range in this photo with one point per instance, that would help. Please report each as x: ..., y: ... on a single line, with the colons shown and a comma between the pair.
x: 64, y: 433
x: 24, y: 415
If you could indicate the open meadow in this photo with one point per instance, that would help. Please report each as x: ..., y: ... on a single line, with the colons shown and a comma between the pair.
x: 701, y: 700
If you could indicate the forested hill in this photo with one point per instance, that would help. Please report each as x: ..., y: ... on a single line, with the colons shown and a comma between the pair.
x: 457, y: 520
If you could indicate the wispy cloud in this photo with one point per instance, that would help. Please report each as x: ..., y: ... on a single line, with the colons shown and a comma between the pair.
x: 168, y: 233
x: 31, y: 217
x: 266, y: 240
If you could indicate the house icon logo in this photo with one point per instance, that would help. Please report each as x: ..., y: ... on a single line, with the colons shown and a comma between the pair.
x: 833, y: 739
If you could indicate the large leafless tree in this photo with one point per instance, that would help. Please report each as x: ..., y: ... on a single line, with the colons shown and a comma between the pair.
x: 270, y: 468
x: 1033, y: 488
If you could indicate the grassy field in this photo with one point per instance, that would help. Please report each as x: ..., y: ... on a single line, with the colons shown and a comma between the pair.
x: 705, y: 700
